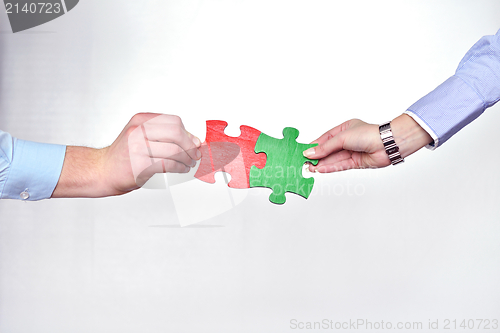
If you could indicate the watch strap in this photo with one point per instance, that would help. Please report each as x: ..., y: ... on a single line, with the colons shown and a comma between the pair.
x: 391, y: 148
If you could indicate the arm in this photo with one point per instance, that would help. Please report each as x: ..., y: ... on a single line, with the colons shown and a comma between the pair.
x: 150, y: 143
x: 430, y: 122
x: 464, y: 96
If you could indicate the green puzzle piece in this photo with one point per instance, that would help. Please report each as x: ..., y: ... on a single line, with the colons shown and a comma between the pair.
x: 283, y: 170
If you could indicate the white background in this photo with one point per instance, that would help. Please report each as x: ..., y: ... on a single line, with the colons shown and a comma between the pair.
x: 409, y: 243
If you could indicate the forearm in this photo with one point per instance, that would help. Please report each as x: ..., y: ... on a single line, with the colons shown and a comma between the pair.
x: 409, y: 135
x: 82, y: 174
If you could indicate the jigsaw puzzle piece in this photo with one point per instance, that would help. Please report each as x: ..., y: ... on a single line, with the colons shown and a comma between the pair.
x: 283, y: 170
x: 234, y: 155
x: 222, y: 153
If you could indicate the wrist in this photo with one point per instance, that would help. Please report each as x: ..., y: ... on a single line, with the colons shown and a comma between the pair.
x: 82, y: 175
x: 409, y: 135
x: 390, y: 146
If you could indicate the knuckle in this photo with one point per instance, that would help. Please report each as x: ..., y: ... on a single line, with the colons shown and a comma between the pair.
x: 138, y: 118
x: 349, y: 123
x: 143, y: 117
x: 178, y: 132
x: 132, y: 131
x: 176, y: 120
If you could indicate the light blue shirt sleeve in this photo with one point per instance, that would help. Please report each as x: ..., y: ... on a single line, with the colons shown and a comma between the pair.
x: 28, y: 170
x: 464, y: 96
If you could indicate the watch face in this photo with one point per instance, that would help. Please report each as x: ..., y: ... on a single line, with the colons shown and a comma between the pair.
x: 385, y: 127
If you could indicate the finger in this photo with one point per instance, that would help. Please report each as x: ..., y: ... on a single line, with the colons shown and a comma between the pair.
x: 195, y: 139
x: 333, y: 145
x: 170, y: 151
x: 154, y: 119
x: 160, y: 166
x: 173, y: 134
x: 172, y: 166
x: 331, y: 159
x: 336, y: 157
x: 338, y: 166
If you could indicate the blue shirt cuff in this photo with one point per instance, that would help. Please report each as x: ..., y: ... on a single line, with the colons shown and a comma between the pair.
x: 447, y: 109
x: 35, y: 169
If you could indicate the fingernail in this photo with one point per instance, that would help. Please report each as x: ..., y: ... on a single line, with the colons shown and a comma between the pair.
x: 196, y: 141
x: 310, y: 152
x: 193, y: 164
x: 198, y: 154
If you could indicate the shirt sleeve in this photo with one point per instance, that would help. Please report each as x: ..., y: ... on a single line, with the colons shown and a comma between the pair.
x: 464, y: 96
x: 29, y: 170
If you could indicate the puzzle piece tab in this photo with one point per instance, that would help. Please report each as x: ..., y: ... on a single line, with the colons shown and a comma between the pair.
x: 234, y: 155
x: 283, y: 170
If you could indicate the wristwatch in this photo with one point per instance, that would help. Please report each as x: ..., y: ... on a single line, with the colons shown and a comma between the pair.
x: 391, y: 148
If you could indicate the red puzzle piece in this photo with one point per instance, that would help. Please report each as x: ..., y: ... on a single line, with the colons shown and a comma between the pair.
x: 229, y: 154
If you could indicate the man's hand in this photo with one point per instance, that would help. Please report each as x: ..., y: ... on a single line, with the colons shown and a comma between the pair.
x: 150, y: 143
x: 356, y: 145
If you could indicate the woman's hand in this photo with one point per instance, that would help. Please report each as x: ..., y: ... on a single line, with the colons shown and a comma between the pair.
x: 357, y: 145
